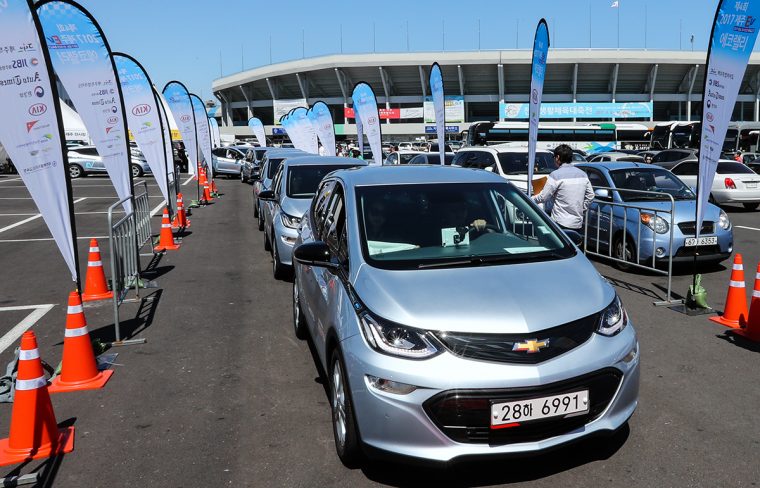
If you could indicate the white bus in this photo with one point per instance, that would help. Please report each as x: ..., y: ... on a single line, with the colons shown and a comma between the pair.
x: 687, y: 135
x: 589, y: 138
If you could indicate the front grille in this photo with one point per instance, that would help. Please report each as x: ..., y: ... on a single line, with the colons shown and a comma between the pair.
x: 464, y: 415
x: 687, y: 228
x: 500, y: 347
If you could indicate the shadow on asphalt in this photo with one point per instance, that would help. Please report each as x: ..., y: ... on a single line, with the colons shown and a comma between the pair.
x: 740, y: 341
x: 641, y: 290
x: 501, y: 470
x: 131, y: 327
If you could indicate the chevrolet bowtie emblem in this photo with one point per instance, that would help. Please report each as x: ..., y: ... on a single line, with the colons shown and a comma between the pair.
x: 530, y: 346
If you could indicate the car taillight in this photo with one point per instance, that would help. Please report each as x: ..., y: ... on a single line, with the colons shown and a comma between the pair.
x: 730, y: 185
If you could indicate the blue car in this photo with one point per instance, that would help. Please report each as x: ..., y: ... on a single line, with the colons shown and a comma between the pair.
x: 640, y: 227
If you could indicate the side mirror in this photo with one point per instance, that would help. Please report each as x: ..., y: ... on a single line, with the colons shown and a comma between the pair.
x: 602, y: 193
x: 314, y: 254
x: 266, y: 195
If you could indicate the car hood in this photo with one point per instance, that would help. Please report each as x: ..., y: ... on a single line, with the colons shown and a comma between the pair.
x: 295, y: 207
x: 507, y: 299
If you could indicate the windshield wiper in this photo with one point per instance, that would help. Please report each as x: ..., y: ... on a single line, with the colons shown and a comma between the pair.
x: 494, y: 259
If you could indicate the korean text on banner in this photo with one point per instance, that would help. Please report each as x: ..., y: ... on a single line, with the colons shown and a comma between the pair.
x: 82, y: 60
x: 143, y: 117
x: 538, y: 72
x: 733, y: 38
x: 203, y: 131
x: 29, y: 127
x: 181, y: 107
x: 322, y: 122
x: 365, y: 104
x: 436, y: 90
x: 258, y: 130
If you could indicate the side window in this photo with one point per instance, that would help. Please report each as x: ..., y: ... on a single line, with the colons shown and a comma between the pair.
x: 219, y: 152
x: 686, y: 169
x: 276, y: 181
x: 595, y: 177
x: 461, y: 159
x: 484, y: 160
x: 320, y: 205
x: 335, y: 226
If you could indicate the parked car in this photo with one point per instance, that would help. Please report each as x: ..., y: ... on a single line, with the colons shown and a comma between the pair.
x: 434, y: 147
x: 269, y: 166
x: 643, y: 237
x: 84, y: 160
x: 754, y: 166
x: 648, y: 155
x: 671, y: 157
x: 615, y: 156
x: 251, y: 169
x: 293, y: 187
x: 427, y: 308
x: 227, y: 161
x: 432, y: 158
x: 734, y: 182
x: 402, y: 156
x: 748, y: 157
x: 579, y: 158
x: 507, y: 161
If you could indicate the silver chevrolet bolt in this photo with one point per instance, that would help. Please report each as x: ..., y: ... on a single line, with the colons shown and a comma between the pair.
x: 454, y: 319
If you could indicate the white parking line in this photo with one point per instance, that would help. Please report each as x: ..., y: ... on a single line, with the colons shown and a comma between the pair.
x: 748, y: 228
x: 34, y: 217
x: 44, y: 239
x: 109, y: 198
x: 188, y: 180
x: 10, y: 337
x: 158, y: 207
x: 12, y: 179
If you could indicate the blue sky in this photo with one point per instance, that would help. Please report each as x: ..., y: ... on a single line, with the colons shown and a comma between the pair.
x: 182, y: 39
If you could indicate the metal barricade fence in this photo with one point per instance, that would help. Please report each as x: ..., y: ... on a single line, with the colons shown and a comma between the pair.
x: 142, y: 215
x: 609, y: 220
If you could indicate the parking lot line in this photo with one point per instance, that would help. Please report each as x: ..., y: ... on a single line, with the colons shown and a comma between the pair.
x: 33, y: 217
x: 43, y: 239
x: 748, y: 228
x: 109, y: 198
x: 188, y: 181
x: 38, y: 311
x: 12, y: 179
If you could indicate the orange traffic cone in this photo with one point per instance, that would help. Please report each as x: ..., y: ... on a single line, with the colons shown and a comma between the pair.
x: 203, y: 180
x: 184, y: 222
x: 752, y: 331
x: 95, y: 285
x: 213, y: 186
x: 166, y: 240
x: 34, y: 431
x: 207, y: 194
x: 735, y: 311
x: 79, y: 370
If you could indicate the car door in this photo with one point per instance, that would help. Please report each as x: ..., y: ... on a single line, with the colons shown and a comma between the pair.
x: 310, y: 279
x: 270, y: 206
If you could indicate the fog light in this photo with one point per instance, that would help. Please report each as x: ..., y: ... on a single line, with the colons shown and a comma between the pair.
x: 631, y: 354
x: 389, y: 386
x: 660, y: 252
x: 730, y: 248
x: 288, y: 240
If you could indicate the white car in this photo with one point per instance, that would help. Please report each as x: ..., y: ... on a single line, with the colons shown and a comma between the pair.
x: 228, y: 161
x: 402, y: 156
x: 508, y: 161
x: 734, y: 182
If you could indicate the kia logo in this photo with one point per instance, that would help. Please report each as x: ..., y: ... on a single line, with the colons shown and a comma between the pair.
x: 37, y: 109
x: 185, y: 118
x: 710, y: 117
x: 112, y: 120
x: 142, y: 109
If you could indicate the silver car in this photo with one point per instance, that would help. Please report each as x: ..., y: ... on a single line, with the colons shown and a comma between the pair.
x: 269, y: 165
x: 84, y: 160
x: 293, y: 187
x: 453, y: 318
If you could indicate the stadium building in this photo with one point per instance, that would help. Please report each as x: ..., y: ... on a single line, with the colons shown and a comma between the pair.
x: 582, y: 85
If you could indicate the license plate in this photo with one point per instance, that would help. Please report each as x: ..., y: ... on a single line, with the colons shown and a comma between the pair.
x: 751, y: 184
x: 511, y: 414
x: 703, y: 241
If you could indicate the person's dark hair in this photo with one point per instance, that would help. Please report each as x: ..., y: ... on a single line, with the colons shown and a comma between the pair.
x: 564, y: 152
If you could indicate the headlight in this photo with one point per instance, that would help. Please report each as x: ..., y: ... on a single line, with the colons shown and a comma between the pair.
x: 657, y: 224
x: 290, y: 221
x: 614, y: 318
x: 723, y: 221
x: 397, y: 340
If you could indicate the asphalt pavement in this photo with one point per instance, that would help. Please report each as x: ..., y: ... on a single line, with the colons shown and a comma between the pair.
x: 222, y: 394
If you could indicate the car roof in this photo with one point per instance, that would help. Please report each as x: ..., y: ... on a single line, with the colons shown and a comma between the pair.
x: 613, y: 165
x: 314, y: 160
x: 375, y: 175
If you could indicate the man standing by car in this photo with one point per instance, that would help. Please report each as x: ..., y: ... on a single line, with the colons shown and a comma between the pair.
x: 570, y: 190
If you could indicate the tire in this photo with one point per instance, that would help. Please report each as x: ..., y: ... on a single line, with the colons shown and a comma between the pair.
x: 255, y: 208
x: 267, y: 245
x: 278, y: 269
x: 751, y: 206
x: 136, y: 171
x: 299, y: 322
x: 345, y: 433
x: 76, y: 171
x: 242, y: 178
x: 261, y: 222
x: 624, y: 245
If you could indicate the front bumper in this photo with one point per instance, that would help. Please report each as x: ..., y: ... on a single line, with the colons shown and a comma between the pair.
x: 284, y: 239
x: 402, y: 424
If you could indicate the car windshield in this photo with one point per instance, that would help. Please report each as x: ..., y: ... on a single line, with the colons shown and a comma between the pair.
x: 260, y: 154
x: 453, y: 224
x: 405, y: 158
x: 653, y: 180
x: 433, y: 158
x: 516, y: 163
x: 732, y: 168
x: 274, y: 165
x: 304, y: 180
